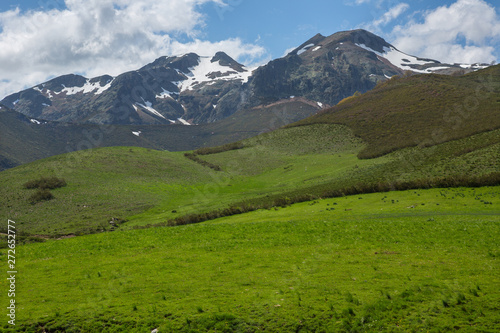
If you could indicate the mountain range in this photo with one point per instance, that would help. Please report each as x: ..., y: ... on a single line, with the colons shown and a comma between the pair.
x: 150, y: 107
x: 194, y: 89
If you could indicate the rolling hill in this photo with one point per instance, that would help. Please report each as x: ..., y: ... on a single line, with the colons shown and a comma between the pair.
x: 147, y: 187
x: 25, y: 139
x: 421, y: 110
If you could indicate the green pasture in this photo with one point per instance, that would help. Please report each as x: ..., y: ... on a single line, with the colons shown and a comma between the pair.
x: 420, y: 260
x: 140, y: 187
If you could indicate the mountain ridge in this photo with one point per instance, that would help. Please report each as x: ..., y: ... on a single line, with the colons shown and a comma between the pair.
x: 193, y: 89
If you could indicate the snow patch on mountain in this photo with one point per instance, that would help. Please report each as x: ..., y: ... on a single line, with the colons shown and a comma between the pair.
x: 47, y: 91
x: 88, y: 87
x: 438, y: 68
x: 304, y: 49
x: 403, y: 60
x: 210, y: 72
x: 166, y: 94
x: 149, y: 107
x: 474, y: 66
x: 183, y: 122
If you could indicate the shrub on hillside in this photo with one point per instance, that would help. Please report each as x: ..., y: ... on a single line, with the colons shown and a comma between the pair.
x: 219, y: 149
x: 287, y: 199
x: 41, y: 195
x: 195, y: 158
x: 45, y: 183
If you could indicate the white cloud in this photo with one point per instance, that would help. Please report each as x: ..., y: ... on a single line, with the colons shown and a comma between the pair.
x: 95, y: 37
x: 290, y: 49
x: 463, y: 32
x: 392, y: 14
x: 376, y: 3
x: 356, y: 2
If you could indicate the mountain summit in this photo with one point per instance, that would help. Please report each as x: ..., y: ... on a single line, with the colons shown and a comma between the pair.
x: 193, y: 89
x: 328, y: 69
x: 181, y: 89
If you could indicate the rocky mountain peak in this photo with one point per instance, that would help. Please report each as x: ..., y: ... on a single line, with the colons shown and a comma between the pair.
x: 225, y: 60
x: 363, y: 37
x: 312, y: 42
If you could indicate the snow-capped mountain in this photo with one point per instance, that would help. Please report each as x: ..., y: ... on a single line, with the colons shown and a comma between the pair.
x: 328, y: 69
x: 183, y: 89
x: 193, y: 89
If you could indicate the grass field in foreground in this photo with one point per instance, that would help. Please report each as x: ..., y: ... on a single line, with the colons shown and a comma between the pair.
x: 423, y: 260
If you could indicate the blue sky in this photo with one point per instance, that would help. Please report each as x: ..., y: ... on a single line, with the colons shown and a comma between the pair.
x: 40, y: 39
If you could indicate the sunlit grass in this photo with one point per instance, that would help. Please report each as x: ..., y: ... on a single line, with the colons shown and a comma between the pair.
x: 413, y: 260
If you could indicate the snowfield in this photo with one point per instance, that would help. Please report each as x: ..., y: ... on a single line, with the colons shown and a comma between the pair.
x: 201, y: 73
x: 148, y: 106
x: 403, y: 60
x: 88, y: 87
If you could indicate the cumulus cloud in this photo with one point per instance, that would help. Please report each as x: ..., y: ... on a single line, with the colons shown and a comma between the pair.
x: 95, y: 37
x: 460, y: 33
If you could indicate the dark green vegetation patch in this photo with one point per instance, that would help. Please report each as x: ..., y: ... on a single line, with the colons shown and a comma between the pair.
x: 420, y: 110
x: 45, y: 183
x: 40, y: 195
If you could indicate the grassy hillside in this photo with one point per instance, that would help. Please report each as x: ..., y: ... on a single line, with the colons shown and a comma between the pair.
x: 120, y: 182
x: 102, y: 184
x: 420, y: 260
x: 139, y: 187
x: 22, y: 141
x: 421, y: 110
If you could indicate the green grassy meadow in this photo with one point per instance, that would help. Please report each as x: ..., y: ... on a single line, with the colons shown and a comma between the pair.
x: 146, y: 186
x: 419, y: 260
x: 141, y: 187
